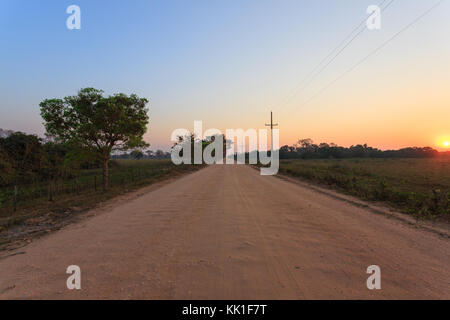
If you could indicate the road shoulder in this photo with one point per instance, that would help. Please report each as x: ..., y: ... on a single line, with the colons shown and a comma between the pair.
x: 440, y: 228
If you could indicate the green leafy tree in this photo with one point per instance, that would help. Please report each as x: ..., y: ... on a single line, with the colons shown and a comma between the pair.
x: 98, y: 124
x: 137, y: 154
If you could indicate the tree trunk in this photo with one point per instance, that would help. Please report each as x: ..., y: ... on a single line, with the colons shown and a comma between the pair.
x: 105, y: 173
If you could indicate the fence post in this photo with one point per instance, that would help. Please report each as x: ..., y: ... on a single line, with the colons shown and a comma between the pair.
x: 15, y: 198
x: 51, y: 192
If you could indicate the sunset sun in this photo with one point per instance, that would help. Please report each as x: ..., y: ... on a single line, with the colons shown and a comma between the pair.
x: 443, y: 142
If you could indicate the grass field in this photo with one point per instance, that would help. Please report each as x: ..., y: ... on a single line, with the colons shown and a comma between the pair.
x: 83, y: 189
x: 420, y: 187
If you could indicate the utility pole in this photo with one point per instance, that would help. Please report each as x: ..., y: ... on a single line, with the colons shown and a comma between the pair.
x: 271, y: 125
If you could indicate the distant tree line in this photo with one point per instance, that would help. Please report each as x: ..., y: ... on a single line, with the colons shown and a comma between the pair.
x: 307, y: 149
x: 26, y: 158
x: 138, y: 155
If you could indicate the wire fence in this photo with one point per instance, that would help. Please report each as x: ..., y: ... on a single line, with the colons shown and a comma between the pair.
x: 16, y: 197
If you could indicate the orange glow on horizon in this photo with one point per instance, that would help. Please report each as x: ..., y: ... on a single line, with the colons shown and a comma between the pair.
x: 443, y: 142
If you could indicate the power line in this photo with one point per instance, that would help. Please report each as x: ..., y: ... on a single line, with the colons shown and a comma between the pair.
x: 373, y: 52
x: 312, y: 75
x: 340, y: 51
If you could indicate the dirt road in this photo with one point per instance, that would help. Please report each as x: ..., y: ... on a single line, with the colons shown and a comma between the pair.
x: 225, y: 232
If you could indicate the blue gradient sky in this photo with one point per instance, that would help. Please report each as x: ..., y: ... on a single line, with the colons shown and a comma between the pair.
x: 229, y: 63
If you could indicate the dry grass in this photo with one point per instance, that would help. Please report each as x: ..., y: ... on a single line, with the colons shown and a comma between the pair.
x: 416, y: 186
